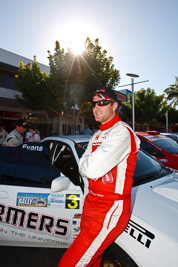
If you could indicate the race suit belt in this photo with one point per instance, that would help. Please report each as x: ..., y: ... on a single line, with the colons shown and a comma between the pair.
x: 113, y: 196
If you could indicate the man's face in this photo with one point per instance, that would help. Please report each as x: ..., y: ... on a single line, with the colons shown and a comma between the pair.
x: 104, y: 114
x: 20, y: 129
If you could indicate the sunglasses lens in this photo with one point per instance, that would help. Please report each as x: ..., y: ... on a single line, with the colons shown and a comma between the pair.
x: 101, y: 103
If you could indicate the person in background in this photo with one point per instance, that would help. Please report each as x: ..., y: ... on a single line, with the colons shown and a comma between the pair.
x: 28, y: 135
x: 35, y: 135
x: 108, y: 163
x: 86, y: 130
x: 77, y: 130
x: 3, y: 134
x: 15, y: 137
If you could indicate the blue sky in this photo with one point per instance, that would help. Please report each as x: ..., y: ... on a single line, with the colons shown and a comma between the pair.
x: 140, y: 35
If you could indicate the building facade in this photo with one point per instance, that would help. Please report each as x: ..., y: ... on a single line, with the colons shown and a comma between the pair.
x: 11, y: 110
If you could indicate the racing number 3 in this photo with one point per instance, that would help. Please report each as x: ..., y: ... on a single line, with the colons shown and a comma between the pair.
x: 72, y: 201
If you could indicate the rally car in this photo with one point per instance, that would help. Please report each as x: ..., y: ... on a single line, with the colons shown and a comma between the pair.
x: 160, y: 146
x: 174, y: 136
x: 42, y: 195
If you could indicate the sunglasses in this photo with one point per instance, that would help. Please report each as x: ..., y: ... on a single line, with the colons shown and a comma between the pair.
x: 101, y: 103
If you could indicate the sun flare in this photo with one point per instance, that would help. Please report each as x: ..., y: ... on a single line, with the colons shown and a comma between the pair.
x: 77, y: 46
x: 73, y: 36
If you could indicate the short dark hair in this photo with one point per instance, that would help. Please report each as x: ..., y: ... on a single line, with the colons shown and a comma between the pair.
x: 21, y: 122
x: 32, y: 126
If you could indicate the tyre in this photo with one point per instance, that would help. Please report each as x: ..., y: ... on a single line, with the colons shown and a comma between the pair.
x: 115, y: 256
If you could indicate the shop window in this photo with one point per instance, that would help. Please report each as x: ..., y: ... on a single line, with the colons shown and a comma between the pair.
x: 69, y: 129
x: 64, y: 128
x: 7, y: 81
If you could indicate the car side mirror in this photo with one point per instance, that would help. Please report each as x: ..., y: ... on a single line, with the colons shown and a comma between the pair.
x: 59, y: 184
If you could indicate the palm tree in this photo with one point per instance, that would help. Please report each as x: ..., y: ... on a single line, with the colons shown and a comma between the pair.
x: 172, y: 93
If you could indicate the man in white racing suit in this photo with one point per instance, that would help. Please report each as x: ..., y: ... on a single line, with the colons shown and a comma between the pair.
x: 108, y: 163
x: 15, y: 137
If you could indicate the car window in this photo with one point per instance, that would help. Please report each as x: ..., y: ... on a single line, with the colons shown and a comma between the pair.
x: 168, y: 145
x: 26, y: 165
x: 151, y: 149
x: 148, y: 169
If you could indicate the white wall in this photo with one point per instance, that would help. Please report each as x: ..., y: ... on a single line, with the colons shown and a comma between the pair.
x: 14, y: 59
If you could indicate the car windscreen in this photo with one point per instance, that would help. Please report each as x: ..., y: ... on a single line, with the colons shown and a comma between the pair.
x: 26, y: 164
x: 80, y: 148
x: 174, y: 137
x: 148, y: 169
x: 168, y: 144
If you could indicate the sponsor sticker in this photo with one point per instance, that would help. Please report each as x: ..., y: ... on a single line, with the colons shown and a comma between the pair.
x: 56, y: 201
x: 40, y: 200
x: 32, y: 199
x: 40, y: 223
x: 72, y: 201
x: 139, y: 233
x: 68, y: 201
x: 32, y: 148
x: 76, y: 228
x: 77, y: 216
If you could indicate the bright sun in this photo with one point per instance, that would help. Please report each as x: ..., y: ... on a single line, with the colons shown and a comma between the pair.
x: 73, y: 35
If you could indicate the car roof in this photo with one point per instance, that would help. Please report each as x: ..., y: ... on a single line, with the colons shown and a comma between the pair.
x: 169, y: 134
x: 74, y: 138
x: 148, y: 133
x: 152, y: 135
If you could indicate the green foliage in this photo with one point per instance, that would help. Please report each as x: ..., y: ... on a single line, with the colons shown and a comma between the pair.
x: 78, y: 76
x: 32, y: 84
x: 70, y: 80
x: 148, y: 106
x: 172, y: 93
x: 99, y: 69
x: 172, y: 116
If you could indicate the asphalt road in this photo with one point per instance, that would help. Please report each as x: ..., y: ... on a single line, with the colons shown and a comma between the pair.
x: 28, y: 257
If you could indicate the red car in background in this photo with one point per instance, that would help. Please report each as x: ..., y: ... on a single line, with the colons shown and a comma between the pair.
x: 161, y: 147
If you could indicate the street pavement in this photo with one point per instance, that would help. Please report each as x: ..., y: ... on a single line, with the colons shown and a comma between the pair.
x: 28, y: 257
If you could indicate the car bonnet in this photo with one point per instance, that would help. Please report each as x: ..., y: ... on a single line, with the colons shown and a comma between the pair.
x: 168, y: 189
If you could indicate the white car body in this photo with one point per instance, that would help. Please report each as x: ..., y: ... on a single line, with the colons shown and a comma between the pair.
x: 50, y: 217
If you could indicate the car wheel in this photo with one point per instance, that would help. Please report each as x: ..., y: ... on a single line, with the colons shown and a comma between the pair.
x: 115, y: 256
